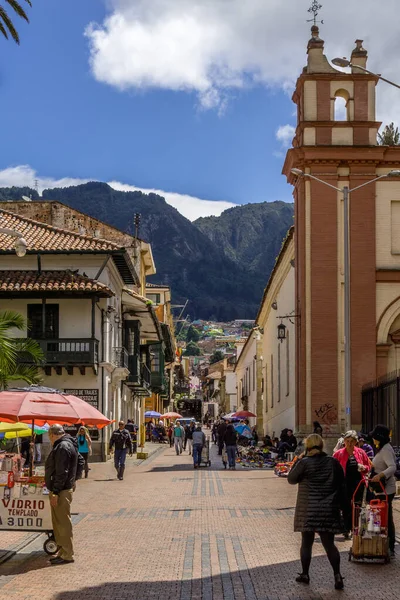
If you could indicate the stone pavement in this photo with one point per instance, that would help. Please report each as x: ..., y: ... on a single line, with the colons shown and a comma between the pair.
x: 168, y: 532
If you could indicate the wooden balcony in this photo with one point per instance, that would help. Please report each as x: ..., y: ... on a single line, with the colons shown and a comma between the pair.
x: 139, y: 375
x: 68, y: 351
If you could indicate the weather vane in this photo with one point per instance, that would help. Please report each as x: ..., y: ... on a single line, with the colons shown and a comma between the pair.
x: 314, y: 9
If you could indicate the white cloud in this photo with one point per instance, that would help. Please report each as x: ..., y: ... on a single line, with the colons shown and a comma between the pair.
x: 212, y: 47
x: 189, y: 206
x: 285, y: 134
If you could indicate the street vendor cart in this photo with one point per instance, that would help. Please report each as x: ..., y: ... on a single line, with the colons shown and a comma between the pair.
x: 370, y: 541
x: 24, y: 501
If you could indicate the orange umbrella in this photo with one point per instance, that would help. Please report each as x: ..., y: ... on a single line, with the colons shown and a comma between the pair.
x: 170, y: 415
x: 243, y: 414
x: 44, y: 405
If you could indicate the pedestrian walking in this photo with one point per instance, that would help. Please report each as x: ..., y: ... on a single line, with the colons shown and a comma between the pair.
x: 38, y: 448
x: 121, y: 439
x: 60, y: 475
x: 178, y: 434
x: 355, y: 463
x: 199, y: 441
x: 214, y: 432
x: 84, y: 447
x: 230, y: 439
x: 221, y: 434
x: 319, y: 498
x: 189, y: 430
x: 170, y: 435
x: 384, y: 466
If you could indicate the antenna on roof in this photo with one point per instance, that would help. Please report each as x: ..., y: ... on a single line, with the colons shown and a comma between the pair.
x: 136, y: 222
x: 26, y: 199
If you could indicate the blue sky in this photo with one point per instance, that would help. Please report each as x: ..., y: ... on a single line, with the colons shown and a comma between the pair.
x: 198, y: 119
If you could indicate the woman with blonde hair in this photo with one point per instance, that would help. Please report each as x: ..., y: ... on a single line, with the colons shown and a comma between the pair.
x: 84, y: 446
x: 320, y: 478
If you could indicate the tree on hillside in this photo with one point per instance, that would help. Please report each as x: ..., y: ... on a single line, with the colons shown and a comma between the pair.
x: 216, y: 356
x: 6, y: 25
x: 192, y: 334
x: 19, y: 358
x: 390, y: 136
x: 192, y: 349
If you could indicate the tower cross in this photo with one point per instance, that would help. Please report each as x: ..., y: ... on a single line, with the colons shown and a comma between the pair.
x: 314, y: 10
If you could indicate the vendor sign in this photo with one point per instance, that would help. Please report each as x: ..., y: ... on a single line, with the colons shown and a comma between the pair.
x: 24, y: 507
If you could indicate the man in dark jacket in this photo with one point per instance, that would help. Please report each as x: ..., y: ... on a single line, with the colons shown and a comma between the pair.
x: 60, y: 475
x: 121, y: 439
x: 230, y: 439
x: 221, y: 434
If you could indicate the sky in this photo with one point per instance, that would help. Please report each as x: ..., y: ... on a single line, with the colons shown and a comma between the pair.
x: 189, y: 98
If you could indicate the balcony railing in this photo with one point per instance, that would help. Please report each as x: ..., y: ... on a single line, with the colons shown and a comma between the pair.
x: 158, y: 381
x: 139, y: 374
x: 66, y: 351
x: 120, y: 357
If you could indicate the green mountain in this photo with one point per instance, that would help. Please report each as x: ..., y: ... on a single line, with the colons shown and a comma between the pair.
x: 220, y: 265
x: 251, y: 234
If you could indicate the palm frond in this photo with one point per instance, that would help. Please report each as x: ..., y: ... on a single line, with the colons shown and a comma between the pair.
x: 27, y: 373
x: 18, y: 8
x: 11, y: 319
x: 8, y: 23
x: 3, y: 31
x: 31, y: 348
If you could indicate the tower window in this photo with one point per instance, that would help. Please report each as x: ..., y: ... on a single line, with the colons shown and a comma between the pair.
x: 341, y: 105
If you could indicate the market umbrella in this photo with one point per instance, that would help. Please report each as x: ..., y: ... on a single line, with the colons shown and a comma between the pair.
x: 231, y: 417
x: 243, y: 414
x: 152, y: 413
x: 38, y: 430
x: 172, y: 415
x: 243, y: 430
x: 42, y: 405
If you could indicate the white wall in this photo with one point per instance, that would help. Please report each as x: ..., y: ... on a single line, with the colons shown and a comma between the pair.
x: 246, y: 375
x: 278, y: 363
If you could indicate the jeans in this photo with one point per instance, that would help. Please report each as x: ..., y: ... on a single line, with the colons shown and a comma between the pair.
x: 85, y: 457
x: 231, y: 452
x: 178, y: 445
x: 197, y: 454
x: 119, y: 457
x: 38, y: 453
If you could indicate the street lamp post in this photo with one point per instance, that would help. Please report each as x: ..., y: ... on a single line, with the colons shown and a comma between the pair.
x: 347, y: 329
x: 344, y: 62
x: 20, y: 244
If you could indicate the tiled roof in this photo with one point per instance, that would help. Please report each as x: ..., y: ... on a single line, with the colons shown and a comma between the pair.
x: 46, y: 238
x: 25, y: 282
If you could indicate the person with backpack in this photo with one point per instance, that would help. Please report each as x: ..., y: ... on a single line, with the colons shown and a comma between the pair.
x: 121, y: 439
x: 61, y: 471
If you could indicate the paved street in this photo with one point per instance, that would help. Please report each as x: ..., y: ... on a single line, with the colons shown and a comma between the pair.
x: 169, y: 532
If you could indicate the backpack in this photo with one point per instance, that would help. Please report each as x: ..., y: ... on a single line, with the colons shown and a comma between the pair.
x: 80, y: 465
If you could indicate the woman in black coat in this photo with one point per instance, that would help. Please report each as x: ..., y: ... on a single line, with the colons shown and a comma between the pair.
x: 321, y: 479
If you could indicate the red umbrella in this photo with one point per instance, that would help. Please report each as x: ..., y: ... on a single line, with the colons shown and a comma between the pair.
x: 48, y: 406
x: 170, y: 415
x: 240, y: 414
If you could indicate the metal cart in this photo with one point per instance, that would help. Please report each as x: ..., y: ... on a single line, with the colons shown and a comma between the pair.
x: 370, y: 542
x: 23, y: 507
x: 205, y: 455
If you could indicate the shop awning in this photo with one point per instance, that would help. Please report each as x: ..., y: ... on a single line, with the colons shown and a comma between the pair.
x: 141, y: 308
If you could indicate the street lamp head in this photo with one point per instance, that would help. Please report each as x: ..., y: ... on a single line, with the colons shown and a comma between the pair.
x: 20, y: 247
x: 394, y: 173
x: 341, y: 62
x: 297, y: 172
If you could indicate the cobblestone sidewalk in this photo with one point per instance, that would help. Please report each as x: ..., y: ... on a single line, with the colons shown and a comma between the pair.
x: 168, y: 532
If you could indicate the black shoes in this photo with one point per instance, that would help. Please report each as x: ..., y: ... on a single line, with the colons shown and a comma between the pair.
x: 339, y: 582
x: 303, y: 578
